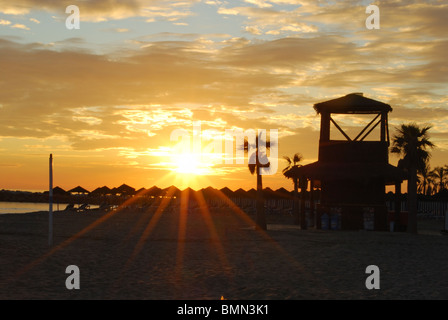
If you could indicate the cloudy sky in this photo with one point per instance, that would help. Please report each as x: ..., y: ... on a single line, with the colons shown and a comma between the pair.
x: 105, y: 98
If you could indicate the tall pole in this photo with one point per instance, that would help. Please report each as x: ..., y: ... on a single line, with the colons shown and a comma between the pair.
x: 446, y: 220
x: 50, y: 213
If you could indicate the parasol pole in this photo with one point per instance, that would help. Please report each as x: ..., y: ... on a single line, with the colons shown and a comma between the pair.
x: 50, y: 213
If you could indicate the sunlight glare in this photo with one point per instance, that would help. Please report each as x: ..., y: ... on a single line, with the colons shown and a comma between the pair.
x: 190, y: 164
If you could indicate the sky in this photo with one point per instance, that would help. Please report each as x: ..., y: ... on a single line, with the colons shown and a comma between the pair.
x: 106, y: 98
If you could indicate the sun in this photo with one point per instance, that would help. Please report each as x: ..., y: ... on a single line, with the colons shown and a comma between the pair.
x: 190, y: 164
x: 189, y: 170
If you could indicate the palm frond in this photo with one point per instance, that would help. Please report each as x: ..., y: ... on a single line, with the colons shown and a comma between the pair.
x: 288, y: 159
x: 297, y: 158
x: 252, y: 168
x: 412, y: 143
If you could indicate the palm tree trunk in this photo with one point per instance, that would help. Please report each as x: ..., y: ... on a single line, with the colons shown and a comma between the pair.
x: 412, y: 198
x: 295, y: 204
x: 261, y: 218
x: 424, y: 186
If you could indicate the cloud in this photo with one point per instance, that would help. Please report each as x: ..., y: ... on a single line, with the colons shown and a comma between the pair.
x: 291, y: 52
x: 270, y: 20
x: 253, y: 30
x: 102, y: 10
x: 227, y: 75
x: 4, y: 22
x: 125, y: 101
x: 259, y: 3
x: 117, y: 30
x: 127, y: 105
x: 20, y: 26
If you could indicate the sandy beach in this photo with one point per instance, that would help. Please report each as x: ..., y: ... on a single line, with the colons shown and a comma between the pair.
x: 144, y: 255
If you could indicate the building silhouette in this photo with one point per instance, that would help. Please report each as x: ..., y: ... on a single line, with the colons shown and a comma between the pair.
x: 352, y: 172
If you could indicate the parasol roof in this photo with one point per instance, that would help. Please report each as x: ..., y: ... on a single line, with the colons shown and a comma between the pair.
x: 154, y: 191
x: 59, y: 191
x: 227, y: 191
x: 171, y: 191
x: 101, y: 190
x: 283, y: 193
x: 352, y: 103
x: 252, y: 193
x: 125, y: 189
x: 209, y: 192
x: 240, y: 193
x: 78, y: 189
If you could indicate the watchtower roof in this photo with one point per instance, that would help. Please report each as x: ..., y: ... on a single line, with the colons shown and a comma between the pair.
x: 351, y: 104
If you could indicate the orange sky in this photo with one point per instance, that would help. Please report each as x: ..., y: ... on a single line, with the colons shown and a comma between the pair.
x: 104, y: 99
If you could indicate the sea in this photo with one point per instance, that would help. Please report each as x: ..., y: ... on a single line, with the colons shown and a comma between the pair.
x: 26, y: 207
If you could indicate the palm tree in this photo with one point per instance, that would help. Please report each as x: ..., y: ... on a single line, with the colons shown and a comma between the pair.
x: 424, y: 179
x: 255, y: 167
x: 431, y: 187
x: 439, y: 174
x: 288, y: 172
x: 411, y: 143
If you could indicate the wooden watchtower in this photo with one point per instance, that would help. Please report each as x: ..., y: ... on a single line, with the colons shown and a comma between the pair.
x: 352, y: 172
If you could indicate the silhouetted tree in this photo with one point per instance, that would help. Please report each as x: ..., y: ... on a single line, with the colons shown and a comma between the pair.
x: 255, y: 167
x: 424, y: 179
x: 439, y: 175
x: 411, y: 143
x: 288, y: 172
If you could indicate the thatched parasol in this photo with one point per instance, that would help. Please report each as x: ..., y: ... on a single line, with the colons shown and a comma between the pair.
x: 124, y: 189
x: 59, y: 191
x: 79, y: 190
x: 101, y: 191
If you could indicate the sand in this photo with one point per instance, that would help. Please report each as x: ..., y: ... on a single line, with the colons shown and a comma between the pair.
x: 126, y: 255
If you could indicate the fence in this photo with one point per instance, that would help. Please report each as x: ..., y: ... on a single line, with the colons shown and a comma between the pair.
x: 425, y: 209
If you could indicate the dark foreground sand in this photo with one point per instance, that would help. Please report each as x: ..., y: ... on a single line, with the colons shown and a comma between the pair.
x: 208, y: 259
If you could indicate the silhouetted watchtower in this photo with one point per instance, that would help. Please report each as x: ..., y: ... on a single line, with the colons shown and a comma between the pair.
x: 352, y: 172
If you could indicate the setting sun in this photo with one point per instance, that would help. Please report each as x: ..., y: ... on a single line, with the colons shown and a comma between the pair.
x: 190, y: 164
x: 205, y: 149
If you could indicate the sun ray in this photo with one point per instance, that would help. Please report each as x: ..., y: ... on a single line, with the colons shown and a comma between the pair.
x: 211, y: 227
x: 71, y: 239
x: 152, y: 223
x: 182, y: 230
x: 296, y: 264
